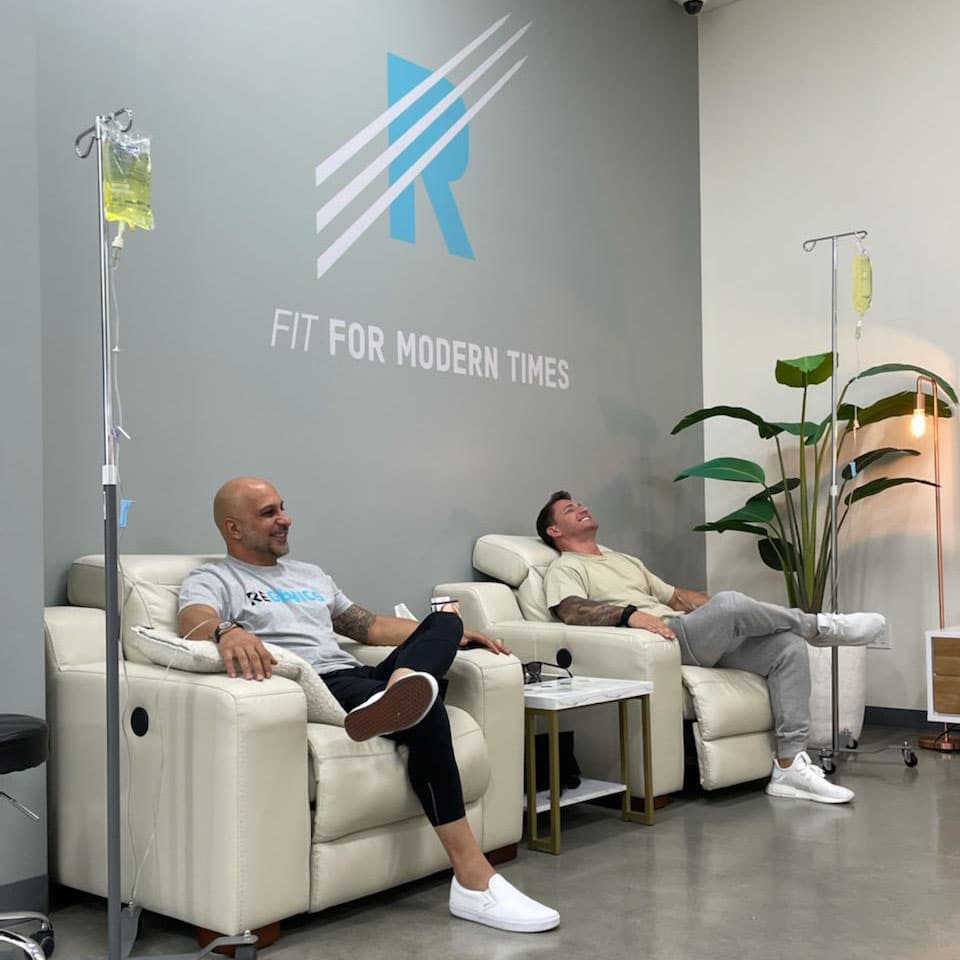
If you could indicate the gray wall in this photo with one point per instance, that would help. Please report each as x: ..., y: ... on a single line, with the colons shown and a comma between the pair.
x: 23, y: 857
x: 580, y: 201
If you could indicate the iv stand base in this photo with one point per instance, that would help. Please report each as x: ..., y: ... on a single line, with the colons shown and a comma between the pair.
x: 828, y: 755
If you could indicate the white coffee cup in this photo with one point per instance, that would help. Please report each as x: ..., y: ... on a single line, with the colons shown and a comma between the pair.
x: 438, y: 603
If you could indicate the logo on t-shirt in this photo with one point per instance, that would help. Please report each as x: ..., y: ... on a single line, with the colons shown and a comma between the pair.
x: 285, y: 596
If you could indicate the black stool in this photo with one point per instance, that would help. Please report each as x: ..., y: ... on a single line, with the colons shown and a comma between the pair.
x: 23, y: 744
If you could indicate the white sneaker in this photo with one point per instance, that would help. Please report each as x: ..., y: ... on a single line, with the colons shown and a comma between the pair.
x: 502, y: 906
x: 400, y: 706
x: 804, y: 781
x: 848, y: 629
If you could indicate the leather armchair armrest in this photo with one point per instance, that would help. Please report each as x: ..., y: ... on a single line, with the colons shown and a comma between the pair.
x: 482, y: 605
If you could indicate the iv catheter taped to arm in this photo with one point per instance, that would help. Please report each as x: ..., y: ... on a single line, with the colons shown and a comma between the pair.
x: 126, y: 180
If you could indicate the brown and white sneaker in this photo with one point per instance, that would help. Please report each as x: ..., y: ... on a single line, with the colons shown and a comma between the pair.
x: 400, y: 706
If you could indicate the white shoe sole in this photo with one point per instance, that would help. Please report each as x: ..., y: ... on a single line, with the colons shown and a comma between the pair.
x: 784, y: 792
x: 511, y: 926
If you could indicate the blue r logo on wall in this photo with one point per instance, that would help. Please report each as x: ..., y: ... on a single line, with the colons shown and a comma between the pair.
x: 448, y: 166
x: 429, y: 138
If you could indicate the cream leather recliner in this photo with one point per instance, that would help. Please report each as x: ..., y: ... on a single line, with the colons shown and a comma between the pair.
x: 236, y: 812
x: 730, y: 709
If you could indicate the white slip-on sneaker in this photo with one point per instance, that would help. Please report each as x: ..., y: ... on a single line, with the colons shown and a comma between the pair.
x: 502, y: 906
x: 848, y: 629
x: 803, y: 781
x: 400, y: 706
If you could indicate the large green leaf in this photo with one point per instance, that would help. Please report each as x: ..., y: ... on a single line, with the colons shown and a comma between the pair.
x: 804, y: 371
x: 726, y: 468
x: 765, y: 429
x: 905, y: 367
x: 896, y: 405
x: 791, y: 483
x: 755, y: 510
x: 723, y: 526
x: 822, y: 428
x: 879, y: 485
x: 864, y: 460
x: 768, y: 553
x: 808, y: 428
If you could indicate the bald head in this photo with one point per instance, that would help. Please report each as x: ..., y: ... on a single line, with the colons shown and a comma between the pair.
x: 250, y: 515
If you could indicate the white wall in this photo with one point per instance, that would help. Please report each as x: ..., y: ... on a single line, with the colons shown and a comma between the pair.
x: 819, y: 117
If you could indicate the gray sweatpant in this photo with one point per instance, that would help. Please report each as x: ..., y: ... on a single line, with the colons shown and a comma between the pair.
x: 736, y: 631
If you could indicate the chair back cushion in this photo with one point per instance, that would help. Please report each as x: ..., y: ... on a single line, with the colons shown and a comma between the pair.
x: 149, y: 590
x: 521, y: 563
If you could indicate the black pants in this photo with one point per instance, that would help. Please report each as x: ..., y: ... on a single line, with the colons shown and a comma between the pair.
x: 430, y: 765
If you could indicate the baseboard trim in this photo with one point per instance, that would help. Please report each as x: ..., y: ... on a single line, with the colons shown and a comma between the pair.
x: 31, y: 894
x: 899, y: 717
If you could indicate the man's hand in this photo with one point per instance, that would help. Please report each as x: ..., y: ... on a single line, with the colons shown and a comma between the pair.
x: 473, y: 638
x: 686, y: 601
x: 244, y: 653
x: 646, y: 621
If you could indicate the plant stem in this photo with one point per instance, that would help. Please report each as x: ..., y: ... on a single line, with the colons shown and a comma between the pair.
x: 791, y: 509
x: 805, y: 561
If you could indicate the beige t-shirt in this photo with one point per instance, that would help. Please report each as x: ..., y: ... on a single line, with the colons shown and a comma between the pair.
x: 611, y: 577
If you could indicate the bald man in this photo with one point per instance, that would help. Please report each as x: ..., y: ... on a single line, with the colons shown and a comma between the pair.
x: 257, y: 594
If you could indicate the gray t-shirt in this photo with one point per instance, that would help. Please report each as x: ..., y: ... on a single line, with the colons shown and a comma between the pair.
x: 291, y: 604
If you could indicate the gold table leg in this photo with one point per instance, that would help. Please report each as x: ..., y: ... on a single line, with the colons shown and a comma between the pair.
x: 530, y: 729
x: 551, y: 843
x: 646, y: 815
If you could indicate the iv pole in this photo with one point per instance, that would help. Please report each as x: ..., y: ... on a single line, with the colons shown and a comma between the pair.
x: 118, y: 945
x: 828, y: 754
x: 123, y: 119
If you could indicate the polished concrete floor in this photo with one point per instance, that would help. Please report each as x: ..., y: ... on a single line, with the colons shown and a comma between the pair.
x: 728, y: 875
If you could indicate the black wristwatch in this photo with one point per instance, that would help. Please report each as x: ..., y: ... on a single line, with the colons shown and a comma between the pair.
x: 628, y: 612
x: 222, y: 627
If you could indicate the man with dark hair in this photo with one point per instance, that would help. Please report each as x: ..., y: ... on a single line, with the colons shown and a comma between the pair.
x: 545, y: 516
x: 256, y: 593
x: 591, y: 586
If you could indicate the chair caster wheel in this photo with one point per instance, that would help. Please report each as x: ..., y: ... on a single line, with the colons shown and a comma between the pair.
x: 909, y: 758
x: 829, y: 766
x: 44, y: 940
x: 852, y: 743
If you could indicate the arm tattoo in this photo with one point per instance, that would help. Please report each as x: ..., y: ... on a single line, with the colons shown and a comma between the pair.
x: 588, y: 613
x: 355, y: 623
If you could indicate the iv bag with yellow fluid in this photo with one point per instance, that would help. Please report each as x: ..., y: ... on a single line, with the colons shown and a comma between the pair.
x: 862, y: 281
x: 126, y: 180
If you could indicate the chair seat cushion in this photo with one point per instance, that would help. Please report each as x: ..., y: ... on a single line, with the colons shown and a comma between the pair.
x: 23, y: 742
x: 727, y: 703
x: 358, y: 786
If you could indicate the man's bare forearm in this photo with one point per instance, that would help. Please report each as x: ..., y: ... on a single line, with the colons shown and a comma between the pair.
x: 364, y: 626
x: 581, y: 612
x: 355, y: 622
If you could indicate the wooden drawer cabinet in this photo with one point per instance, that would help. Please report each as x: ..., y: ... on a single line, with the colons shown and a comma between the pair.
x: 943, y: 675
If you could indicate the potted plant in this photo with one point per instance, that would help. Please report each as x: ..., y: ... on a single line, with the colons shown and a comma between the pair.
x: 791, y: 516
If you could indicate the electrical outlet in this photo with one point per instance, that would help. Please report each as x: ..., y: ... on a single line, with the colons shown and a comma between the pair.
x: 884, y: 641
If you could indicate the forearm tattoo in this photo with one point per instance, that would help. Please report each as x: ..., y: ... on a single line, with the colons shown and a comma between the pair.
x: 355, y: 623
x: 588, y: 613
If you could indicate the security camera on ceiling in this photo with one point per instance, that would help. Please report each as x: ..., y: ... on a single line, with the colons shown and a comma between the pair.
x: 693, y: 7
